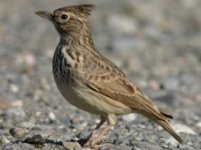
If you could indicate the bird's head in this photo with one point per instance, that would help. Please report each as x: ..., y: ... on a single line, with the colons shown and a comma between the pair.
x: 70, y: 19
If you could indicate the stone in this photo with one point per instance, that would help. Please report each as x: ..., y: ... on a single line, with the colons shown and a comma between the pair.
x: 72, y: 146
x: 129, y: 117
x: 18, y: 132
x: 3, y: 140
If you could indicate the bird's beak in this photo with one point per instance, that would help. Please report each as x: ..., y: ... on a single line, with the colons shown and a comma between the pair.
x: 45, y: 14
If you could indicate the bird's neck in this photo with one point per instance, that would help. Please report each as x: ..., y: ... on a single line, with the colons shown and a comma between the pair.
x: 81, y: 38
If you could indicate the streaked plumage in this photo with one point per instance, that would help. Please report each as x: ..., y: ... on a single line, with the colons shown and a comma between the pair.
x: 91, y: 82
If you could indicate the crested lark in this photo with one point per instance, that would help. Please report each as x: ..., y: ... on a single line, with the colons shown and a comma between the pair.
x: 90, y: 81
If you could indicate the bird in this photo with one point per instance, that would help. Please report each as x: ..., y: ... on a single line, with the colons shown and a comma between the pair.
x: 90, y: 81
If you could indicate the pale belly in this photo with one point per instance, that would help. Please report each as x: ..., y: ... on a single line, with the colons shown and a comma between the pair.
x: 91, y: 101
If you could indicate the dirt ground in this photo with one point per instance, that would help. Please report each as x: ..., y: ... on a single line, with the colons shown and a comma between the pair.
x: 157, y: 44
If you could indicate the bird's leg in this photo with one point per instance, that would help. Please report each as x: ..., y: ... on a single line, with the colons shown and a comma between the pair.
x: 105, y: 130
x: 102, y: 121
x: 111, y: 122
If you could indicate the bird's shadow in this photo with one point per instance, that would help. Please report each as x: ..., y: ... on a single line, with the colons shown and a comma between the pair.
x: 38, y: 143
x: 52, y: 142
x: 60, y: 143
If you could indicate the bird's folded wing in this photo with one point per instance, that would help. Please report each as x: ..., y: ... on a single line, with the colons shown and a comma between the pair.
x: 120, y: 89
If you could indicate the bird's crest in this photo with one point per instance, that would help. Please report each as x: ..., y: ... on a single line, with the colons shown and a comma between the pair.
x: 86, y: 8
x: 83, y: 9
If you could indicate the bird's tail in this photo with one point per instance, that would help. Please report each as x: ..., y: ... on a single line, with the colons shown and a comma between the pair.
x: 161, y: 117
x: 167, y: 126
x: 169, y: 129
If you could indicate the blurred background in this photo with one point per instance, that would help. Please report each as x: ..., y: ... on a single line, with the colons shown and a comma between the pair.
x: 157, y: 44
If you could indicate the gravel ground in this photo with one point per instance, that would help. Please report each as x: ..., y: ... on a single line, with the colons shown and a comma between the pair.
x: 157, y: 43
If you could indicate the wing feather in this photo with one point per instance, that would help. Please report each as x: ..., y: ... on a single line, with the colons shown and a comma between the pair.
x: 106, y: 78
x: 122, y: 90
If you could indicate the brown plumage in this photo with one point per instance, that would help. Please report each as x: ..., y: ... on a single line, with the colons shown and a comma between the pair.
x: 90, y: 81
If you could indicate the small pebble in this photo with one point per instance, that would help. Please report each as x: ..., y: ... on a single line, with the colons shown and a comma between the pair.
x: 7, y: 105
x: 27, y: 124
x: 30, y: 59
x: 18, y: 132
x: 14, y: 88
x: 38, y: 113
x: 198, y: 124
x: 17, y: 103
x: 72, y: 146
x: 4, y: 140
x: 129, y: 117
x: 52, y: 116
x: 180, y: 128
x: 35, y: 140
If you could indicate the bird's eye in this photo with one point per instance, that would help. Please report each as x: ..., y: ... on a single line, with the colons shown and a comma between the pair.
x: 64, y: 17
